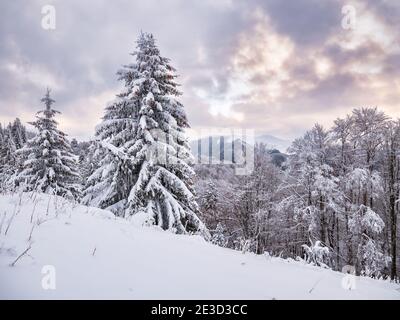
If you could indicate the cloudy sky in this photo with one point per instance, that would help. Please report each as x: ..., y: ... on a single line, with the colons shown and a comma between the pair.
x: 270, y: 65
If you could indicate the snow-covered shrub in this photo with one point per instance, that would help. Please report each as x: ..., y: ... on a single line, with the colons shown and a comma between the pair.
x: 317, y: 254
x: 243, y: 244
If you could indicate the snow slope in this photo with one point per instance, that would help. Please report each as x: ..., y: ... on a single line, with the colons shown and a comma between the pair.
x: 98, y: 256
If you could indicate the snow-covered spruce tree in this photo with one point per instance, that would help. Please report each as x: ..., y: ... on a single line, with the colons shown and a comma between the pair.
x: 145, y: 161
x: 49, y: 165
x: 163, y: 193
x: 18, y: 133
x: 12, y: 138
x: 7, y: 157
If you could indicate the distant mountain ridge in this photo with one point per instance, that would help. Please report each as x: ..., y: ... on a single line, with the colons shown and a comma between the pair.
x: 273, y: 142
x: 221, y: 148
x: 270, y: 141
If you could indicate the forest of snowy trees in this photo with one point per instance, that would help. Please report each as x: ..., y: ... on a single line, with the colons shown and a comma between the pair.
x: 334, y: 202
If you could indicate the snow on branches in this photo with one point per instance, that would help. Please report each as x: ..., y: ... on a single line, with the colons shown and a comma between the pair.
x: 145, y: 170
x: 49, y: 166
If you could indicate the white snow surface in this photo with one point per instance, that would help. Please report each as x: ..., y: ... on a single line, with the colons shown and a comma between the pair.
x: 98, y: 256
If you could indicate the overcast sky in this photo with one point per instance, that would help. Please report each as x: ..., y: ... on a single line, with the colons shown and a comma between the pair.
x: 271, y: 65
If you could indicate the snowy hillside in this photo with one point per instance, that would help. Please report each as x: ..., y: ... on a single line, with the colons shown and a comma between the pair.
x: 96, y: 255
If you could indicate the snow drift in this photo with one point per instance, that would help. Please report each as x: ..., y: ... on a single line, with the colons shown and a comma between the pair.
x: 95, y: 255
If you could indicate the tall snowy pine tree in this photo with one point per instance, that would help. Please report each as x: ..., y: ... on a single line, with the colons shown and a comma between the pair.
x: 147, y: 166
x: 50, y: 166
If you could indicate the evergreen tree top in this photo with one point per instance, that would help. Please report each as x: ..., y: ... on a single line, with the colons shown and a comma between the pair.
x: 147, y: 45
x: 48, y: 102
x: 150, y: 67
x: 45, y: 116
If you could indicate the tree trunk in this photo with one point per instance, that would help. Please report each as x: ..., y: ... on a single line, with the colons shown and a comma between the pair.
x: 392, y: 214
